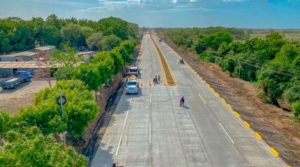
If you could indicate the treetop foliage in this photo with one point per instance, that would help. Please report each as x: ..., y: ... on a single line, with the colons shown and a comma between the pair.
x: 20, y: 35
x: 33, y: 149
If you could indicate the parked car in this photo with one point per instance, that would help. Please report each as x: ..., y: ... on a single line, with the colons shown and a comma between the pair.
x: 133, y: 71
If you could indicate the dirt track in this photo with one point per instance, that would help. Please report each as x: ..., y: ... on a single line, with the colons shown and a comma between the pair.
x: 275, y: 125
x: 12, y: 99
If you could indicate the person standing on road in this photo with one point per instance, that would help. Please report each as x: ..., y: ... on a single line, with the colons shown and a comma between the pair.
x: 182, y: 101
x: 158, y: 78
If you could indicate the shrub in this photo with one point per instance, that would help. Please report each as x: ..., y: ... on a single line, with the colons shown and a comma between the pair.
x: 296, y: 108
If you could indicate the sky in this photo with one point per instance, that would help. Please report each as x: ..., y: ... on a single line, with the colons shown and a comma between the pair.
x: 166, y: 13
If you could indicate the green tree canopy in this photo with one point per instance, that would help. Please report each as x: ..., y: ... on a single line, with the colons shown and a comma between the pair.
x: 66, y: 57
x: 74, y: 34
x: 216, y: 39
x: 33, y: 149
x: 114, y: 26
x: 89, y: 74
x: 46, y: 114
x: 94, y: 40
x: 109, y: 42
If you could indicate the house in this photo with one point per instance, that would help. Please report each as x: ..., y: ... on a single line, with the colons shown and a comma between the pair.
x: 8, y: 68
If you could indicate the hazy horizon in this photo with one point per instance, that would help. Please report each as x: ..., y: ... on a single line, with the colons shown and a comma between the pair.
x: 257, y: 14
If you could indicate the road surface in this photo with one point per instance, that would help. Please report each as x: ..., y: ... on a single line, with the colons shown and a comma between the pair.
x: 152, y: 130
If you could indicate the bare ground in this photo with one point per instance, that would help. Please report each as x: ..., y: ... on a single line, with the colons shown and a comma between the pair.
x: 12, y: 99
x: 275, y: 125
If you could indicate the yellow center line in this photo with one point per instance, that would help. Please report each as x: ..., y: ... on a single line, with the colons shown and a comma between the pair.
x: 166, y: 70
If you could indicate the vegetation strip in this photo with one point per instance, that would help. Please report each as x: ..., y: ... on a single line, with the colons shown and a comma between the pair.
x: 164, y: 64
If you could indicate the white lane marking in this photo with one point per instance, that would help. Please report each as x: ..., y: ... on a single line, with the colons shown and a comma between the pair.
x: 150, y: 132
x: 202, y: 99
x: 122, y: 131
x: 150, y: 98
x: 226, y: 133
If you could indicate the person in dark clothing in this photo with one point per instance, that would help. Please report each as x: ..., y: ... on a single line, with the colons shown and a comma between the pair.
x: 182, y: 101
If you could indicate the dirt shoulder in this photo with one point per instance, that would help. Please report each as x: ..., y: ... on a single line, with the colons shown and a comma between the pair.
x: 12, y: 99
x: 275, y: 125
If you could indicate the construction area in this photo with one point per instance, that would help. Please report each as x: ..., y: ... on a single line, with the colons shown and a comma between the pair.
x: 152, y: 129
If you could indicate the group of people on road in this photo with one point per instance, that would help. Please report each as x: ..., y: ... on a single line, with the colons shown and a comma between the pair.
x: 156, y: 80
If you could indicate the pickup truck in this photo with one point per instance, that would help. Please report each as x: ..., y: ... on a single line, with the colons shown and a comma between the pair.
x: 132, y: 86
x: 17, y: 78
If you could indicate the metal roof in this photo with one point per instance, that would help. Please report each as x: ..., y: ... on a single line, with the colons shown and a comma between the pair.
x: 27, y: 64
x: 86, y: 53
x: 26, y: 53
x: 45, y: 48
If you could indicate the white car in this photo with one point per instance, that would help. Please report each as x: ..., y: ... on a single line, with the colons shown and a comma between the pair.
x: 133, y: 71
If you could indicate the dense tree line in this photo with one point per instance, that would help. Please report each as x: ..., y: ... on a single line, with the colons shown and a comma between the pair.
x: 30, y: 138
x: 273, y: 64
x: 186, y: 37
x: 19, y: 35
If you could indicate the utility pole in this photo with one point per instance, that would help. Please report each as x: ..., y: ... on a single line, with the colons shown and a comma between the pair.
x: 61, y: 100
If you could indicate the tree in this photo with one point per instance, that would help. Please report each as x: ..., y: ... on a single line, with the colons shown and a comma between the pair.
x: 89, y: 74
x: 230, y: 65
x: 109, y: 42
x: 118, y: 61
x: 67, y: 57
x: 106, y: 66
x: 19, y: 35
x: 79, y: 109
x: 236, y: 47
x: 93, y: 40
x: 64, y: 73
x: 46, y: 116
x: 126, y: 49
x: 46, y: 33
x: 272, y: 81
x: 216, y: 39
x: 87, y: 31
x: 5, y: 121
x: 73, y: 33
x: 199, y: 45
x: 223, y: 49
x: 293, y: 93
x: 33, y: 149
x: 296, y: 68
x: 296, y: 108
x: 114, y: 26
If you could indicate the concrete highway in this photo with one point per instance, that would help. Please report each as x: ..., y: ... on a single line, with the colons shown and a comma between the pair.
x: 152, y: 130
